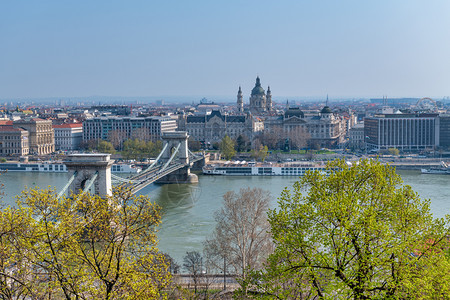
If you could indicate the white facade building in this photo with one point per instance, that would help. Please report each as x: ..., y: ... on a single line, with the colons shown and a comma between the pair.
x: 68, y: 136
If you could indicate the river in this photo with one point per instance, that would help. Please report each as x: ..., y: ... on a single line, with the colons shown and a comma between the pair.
x: 188, y: 209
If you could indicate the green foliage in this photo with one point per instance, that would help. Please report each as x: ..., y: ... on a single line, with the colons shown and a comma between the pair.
x: 194, y: 145
x: 355, y: 232
x: 105, y: 147
x: 394, y: 151
x: 138, y: 149
x: 260, y: 153
x: 242, y: 143
x: 227, y: 147
x: 82, y: 247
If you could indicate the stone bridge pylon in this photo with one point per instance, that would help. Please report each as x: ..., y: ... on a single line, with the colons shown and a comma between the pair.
x: 90, y: 172
x: 177, y: 141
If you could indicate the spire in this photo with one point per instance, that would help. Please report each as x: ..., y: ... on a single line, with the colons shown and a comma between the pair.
x: 326, y: 104
x: 240, y: 102
x: 258, y: 81
x: 268, y: 90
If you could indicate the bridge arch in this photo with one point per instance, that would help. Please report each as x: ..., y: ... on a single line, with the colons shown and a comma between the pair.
x: 90, y: 169
x: 171, y: 140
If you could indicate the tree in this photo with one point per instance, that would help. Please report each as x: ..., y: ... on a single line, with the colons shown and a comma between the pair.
x: 227, y: 147
x: 260, y: 151
x: 137, y: 149
x: 117, y: 137
x: 194, y: 145
x: 105, y: 147
x: 88, y: 247
x: 89, y: 144
x: 193, y: 264
x: 358, y: 233
x: 394, y: 151
x: 242, y: 143
x: 240, y: 237
x: 298, y: 137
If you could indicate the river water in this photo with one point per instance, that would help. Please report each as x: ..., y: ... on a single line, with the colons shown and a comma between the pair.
x: 188, y: 209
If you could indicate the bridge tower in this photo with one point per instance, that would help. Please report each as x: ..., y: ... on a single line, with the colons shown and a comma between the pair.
x: 90, y: 170
x: 171, y: 141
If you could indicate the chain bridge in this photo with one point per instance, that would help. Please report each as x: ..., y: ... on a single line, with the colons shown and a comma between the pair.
x: 92, y: 172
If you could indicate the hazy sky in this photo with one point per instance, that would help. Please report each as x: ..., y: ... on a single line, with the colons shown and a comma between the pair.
x: 189, y: 48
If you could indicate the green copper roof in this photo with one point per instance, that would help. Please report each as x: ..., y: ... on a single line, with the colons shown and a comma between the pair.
x: 326, y: 110
x: 258, y: 90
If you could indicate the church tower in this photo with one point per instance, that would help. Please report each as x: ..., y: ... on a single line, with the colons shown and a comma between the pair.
x: 269, y: 99
x: 258, y: 98
x: 240, y: 102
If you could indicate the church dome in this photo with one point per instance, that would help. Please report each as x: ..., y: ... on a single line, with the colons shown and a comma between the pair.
x: 294, y: 112
x: 326, y: 110
x: 258, y: 90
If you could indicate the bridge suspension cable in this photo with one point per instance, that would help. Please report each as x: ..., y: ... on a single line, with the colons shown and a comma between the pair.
x: 156, y: 160
x: 89, y: 183
x: 64, y: 189
x: 121, y: 179
x: 171, y: 158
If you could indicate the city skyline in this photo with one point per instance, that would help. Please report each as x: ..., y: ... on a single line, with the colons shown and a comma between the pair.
x: 200, y: 49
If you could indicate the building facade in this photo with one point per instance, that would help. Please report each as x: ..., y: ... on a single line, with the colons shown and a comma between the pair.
x: 68, y: 136
x: 324, y: 129
x: 13, y: 141
x: 110, y: 128
x: 212, y: 128
x: 356, y: 136
x: 444, y: 131
x: 41, y: 136
x: 410, y: 132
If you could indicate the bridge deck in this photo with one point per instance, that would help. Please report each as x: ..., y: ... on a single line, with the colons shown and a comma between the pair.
x: 146, y: 178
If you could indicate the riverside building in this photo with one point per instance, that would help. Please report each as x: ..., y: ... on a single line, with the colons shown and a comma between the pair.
x: 41, y: 136
x: 406, y: 132
x: 213, y: 127
x: 68, y: 136
x: 13, y: 141
x: 144, y: 128
x: 324, y: 129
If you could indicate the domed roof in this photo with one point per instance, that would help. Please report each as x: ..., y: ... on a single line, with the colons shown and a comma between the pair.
x: 258, y: 90
x: 294, y: 112
x: 326, y: 110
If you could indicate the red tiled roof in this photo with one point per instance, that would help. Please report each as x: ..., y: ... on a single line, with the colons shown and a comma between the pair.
x: 10, y: 128
x: 71, y: 125
x: 6, y: 123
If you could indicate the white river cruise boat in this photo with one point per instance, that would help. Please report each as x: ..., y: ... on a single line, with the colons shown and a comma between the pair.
x: 444, y: 169
x: 243, y: 168
x: 49, y: 167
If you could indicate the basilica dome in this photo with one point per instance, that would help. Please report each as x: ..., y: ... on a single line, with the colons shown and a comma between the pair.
x: 258, y: 90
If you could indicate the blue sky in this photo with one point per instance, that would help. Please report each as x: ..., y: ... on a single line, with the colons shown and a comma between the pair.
x: 208, y: 48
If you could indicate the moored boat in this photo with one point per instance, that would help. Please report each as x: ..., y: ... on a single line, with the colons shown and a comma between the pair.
x: 49, y: 167
x: 243, y: 168
x: 444, y: 169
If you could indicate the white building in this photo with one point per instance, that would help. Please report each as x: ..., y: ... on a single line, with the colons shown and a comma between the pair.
x: 68, y: 136
x: 123, y: 128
